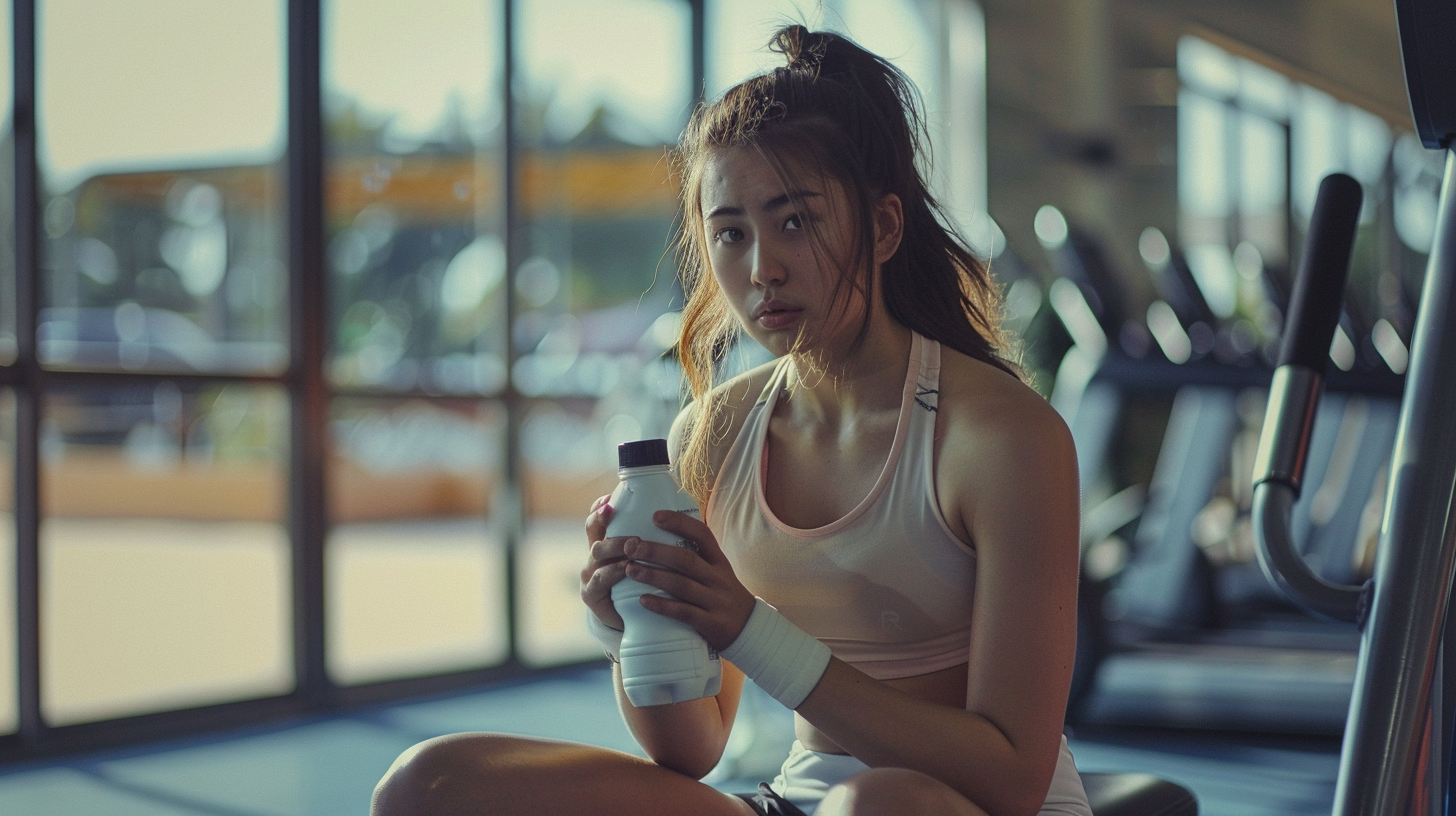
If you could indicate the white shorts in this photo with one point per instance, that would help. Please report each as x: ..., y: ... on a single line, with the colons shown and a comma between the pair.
x: 807, y: 775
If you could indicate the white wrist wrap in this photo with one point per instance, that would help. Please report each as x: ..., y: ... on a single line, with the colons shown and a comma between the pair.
x: 781, y: 658
x: 611, y: 639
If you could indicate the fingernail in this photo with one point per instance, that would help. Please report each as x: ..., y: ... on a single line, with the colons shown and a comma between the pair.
x: 632, y: 546
x: 660, y: 515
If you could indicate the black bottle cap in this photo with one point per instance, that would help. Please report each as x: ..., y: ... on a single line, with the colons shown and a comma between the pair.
x: 642, y: 453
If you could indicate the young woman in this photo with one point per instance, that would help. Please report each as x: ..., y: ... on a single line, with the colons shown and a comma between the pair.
x: 890, y: 546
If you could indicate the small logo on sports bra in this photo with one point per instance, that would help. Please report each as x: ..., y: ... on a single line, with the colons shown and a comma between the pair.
x: 925, y: 392
x: 889, y: 618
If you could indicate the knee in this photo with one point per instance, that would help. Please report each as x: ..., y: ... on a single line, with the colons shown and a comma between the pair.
x: 885, y: 791
x: 438, y: 775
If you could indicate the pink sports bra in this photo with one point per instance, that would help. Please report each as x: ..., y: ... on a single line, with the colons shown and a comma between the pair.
x: 887, y: 588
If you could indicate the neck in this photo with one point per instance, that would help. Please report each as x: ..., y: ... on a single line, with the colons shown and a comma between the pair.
x: 866, y: 378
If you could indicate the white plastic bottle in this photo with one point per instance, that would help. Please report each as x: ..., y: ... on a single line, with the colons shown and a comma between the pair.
x: 663, y: 660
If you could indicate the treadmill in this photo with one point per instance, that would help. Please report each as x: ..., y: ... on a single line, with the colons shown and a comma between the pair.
x: 1183, y: 636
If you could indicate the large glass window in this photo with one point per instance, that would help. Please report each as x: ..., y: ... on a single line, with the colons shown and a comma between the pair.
x: 595, y: 288
x: 416, y: 218
x: 160, y: 130
x: 164, y: 557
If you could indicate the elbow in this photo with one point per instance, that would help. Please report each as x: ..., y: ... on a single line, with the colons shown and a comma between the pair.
x: 692, y: 752
x: 687, y: 737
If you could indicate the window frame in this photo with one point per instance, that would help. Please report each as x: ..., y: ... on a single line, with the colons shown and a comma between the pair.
x: 305, y: 381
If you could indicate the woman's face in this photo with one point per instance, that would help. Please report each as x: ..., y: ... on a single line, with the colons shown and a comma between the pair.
x: 762, y: 250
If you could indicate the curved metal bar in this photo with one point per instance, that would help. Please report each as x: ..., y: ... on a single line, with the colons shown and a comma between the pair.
x: 1286, y: 568
x: 1294, y: 396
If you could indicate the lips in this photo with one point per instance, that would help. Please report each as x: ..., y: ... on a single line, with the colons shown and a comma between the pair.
x: 776, y: 314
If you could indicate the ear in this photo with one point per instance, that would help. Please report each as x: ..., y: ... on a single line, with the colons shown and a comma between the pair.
x: 889, y: 222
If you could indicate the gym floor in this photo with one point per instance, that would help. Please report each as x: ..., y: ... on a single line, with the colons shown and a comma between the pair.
x: 324, y: 767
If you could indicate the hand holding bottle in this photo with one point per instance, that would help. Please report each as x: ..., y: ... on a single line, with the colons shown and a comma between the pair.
x: 662, y: 660
x: 703, y: 591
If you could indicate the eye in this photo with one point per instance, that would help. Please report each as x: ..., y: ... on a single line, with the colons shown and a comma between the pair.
x: 794, y: 222
x: 728, y: 235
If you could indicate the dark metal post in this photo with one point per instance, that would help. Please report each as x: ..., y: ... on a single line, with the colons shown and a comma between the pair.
x: 699, y: 50
x: 308, y: 326
x: 28, y: 394
x: 513, y: 500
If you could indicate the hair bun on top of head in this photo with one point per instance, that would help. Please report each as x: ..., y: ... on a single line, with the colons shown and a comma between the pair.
x: 821, y: 53
x: 824, y: 54
x: 804, y: 49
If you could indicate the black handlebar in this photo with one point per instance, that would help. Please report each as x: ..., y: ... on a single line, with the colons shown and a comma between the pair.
x: 1319, y: 290
x: 1314, y: 311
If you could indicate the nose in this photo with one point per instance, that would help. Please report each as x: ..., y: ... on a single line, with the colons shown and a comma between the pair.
x: 768, y: 270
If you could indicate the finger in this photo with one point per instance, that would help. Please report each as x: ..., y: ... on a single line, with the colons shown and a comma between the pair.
x: 608, y: 550
x: 597, y: 519
x: 674, y: 557
x: 674, y: 608
x: 601, y: 580
x: 679, y: 586
x: 715, y: 632
x: 692, y: 529
x: 593, y: 567
x: 596, y: 589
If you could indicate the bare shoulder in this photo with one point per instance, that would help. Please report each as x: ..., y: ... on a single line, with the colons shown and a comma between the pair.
x: 732, y: 400
x: 997, y: 436
x: 987, y: 408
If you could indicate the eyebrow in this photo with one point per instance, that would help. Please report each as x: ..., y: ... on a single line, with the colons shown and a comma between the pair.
x: 772, y: 204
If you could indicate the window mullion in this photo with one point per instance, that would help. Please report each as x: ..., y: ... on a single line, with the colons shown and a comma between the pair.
x: 308, y: 326
x: 28, y: 394
x: 513, y: 513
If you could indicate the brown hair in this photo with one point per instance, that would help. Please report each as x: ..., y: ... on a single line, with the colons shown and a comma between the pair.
x: 852, y: 116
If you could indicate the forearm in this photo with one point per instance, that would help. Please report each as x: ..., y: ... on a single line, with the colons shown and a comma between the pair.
x: 885, y: 727
x: 687, y: 737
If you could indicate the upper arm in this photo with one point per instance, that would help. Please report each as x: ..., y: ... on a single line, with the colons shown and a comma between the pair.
x: 1019, y: 501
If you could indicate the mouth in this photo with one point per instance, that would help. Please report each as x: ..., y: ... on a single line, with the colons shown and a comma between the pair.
x: 773, y: 307
x: 773, y: 315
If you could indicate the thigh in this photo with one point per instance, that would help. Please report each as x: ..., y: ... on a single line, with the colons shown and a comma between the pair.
x: 484, y: 774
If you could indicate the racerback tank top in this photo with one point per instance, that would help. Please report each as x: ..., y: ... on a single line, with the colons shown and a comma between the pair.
x: 888, y: 587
